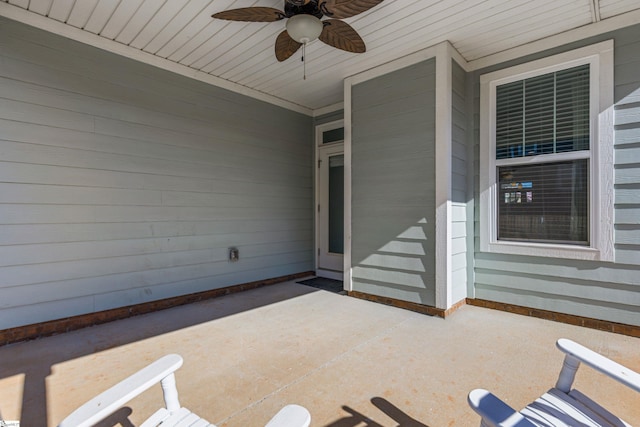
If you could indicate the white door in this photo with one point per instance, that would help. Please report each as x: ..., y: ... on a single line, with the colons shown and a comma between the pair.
x: 330, y: 211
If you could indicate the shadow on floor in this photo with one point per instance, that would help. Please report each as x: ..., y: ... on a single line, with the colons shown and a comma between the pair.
x: 118, y: 418
x: 75, y: 344
x: 355, y: 418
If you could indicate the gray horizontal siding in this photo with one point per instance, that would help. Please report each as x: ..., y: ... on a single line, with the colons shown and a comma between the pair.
x: 121, y: 183
x: 393, y: 211
x: 627, y: 151
x: 609, y: 291
x: 458, y: 135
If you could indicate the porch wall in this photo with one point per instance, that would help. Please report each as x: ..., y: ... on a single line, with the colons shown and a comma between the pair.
x: 393, y: 185
x: 121, y: 183
x: 607, y: 291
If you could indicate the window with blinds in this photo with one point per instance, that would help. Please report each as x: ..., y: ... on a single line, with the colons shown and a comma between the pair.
x: 547, y: 201
x: 545, y: 156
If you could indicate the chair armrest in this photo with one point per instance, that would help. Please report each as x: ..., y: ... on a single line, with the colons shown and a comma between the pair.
x: 291, y: 416
x: 115, y: 397
x: 598, y: 362
x: 494, y: 412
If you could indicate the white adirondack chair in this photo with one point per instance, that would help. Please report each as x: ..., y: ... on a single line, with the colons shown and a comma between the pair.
x: 561, y: 406
x: 173, y: 415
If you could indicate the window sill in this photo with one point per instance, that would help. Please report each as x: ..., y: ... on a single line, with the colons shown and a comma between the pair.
x: 548, y: 250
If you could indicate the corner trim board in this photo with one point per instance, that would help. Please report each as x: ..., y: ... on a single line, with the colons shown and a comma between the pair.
x: 443, y: 151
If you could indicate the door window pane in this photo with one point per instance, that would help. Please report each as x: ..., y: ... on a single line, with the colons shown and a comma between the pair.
x: 336, y: 204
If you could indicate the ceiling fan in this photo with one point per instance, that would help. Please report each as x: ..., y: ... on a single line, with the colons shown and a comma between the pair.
x: 305, y: 24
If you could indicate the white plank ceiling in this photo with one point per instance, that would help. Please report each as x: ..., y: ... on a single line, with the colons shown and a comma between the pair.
x: 183, y: 32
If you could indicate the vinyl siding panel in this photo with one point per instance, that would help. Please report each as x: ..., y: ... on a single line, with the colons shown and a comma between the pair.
x: 627, y: 152
x: 608, y: 291
x: 393, y: 184
x: 121, y: 183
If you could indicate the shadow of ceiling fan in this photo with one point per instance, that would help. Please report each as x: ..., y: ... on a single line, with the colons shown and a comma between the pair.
x: 305, y: 24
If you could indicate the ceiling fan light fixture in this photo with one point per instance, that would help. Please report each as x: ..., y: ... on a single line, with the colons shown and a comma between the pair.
x: 304, y: 28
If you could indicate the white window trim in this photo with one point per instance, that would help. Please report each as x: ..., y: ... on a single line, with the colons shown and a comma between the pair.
x: 601, y: 247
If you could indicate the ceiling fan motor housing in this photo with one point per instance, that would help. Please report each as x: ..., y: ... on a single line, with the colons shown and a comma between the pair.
x: 302, y: 7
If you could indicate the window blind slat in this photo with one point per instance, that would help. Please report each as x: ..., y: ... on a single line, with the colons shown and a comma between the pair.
x: 544, y: 202
x: 543, y: 114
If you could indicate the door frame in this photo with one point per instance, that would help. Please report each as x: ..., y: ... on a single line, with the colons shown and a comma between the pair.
x: 319, y: 130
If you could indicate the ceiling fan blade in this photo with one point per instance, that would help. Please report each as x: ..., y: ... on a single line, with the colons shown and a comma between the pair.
x: 341, y: 9
x: 251, y: 14
x: 342, y: 36
x: 285, y: 46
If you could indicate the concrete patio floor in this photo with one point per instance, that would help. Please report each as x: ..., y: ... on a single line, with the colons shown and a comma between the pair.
x: 349, y: 361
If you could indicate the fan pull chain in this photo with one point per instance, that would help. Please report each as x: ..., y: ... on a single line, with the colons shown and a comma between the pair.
x: 304, y: 61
